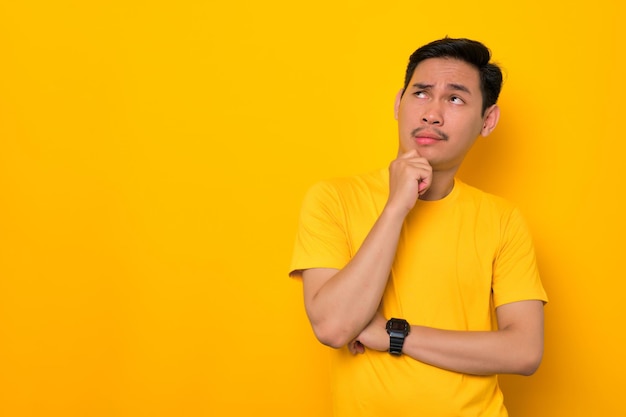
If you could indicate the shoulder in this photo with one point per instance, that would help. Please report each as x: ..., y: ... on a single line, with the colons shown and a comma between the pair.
x: 354, y: 186
x: 486, y: 201
x: 501, y: 214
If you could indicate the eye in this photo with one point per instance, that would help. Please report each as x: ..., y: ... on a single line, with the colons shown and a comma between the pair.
x: 457, y: 100
x: 420, y: 94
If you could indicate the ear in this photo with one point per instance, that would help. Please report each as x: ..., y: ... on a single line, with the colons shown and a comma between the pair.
x: 396, y: 106
x: 490, y: 120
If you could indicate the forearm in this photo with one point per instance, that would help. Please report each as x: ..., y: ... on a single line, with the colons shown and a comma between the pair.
x: 516, y: 348
x: 479, y: 353
x: 340, y: 304
x: 340, y: 307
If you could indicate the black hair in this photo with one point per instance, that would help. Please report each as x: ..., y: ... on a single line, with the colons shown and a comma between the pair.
x: 467, y: 50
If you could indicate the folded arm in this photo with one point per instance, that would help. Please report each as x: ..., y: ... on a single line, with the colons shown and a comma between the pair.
x: 515, y: 348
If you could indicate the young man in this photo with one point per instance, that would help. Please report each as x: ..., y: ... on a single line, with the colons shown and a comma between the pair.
x: 427, y: 287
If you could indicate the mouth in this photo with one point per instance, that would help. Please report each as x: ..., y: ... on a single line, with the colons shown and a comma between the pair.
x: 424, y: 136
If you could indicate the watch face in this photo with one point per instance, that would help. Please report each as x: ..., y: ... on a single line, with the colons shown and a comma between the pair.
x: 397, y: 325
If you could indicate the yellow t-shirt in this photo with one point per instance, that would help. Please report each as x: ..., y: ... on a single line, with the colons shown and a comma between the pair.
x: 457, y: 259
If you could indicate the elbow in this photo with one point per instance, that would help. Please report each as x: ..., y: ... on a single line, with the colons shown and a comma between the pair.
x: 529, y: 363
x: 331, y: 335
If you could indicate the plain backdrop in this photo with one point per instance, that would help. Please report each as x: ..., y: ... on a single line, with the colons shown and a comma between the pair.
x: 154, y: 155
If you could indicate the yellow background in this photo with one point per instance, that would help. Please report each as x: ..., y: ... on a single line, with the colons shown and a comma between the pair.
x: 153, y: 157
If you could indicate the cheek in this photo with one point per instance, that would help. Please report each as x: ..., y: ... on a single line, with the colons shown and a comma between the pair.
x: 472, y: 126
x: 479, y: 127
x: 408, y: 117
x: 403, y: 120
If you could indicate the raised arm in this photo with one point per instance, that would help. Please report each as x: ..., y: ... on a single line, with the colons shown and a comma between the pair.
x: 341, y: 303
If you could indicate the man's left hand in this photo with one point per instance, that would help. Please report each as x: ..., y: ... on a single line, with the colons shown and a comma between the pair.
x: 374, y: 337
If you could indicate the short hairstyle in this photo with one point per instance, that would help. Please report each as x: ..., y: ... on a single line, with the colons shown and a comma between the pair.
x: 467, y: 50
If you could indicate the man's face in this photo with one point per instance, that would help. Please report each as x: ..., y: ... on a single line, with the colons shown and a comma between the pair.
x: 440, y: 113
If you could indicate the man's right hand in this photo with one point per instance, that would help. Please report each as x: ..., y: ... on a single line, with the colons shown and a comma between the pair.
x: 410, y: 176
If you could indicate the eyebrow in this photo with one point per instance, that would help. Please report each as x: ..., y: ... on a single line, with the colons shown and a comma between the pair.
x: 452, y: 86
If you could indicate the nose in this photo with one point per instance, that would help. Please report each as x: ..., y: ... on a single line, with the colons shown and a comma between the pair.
x: 432, y: 115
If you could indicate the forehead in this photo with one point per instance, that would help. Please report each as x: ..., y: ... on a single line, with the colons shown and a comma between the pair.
x: 444, y: 72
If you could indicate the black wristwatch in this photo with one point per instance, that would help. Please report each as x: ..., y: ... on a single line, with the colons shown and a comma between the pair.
x: 398, y: 329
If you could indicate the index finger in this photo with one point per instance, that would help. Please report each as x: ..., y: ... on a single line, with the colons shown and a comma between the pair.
x: 412, y: 153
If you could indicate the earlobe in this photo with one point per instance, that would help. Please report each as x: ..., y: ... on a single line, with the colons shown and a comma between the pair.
x: 396, y: 107
x: 492, y: 115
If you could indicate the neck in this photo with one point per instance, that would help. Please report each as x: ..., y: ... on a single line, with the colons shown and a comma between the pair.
x: 442, y: 185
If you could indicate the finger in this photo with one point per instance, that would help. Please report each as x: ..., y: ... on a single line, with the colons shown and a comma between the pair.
x: 412, y: 153
x: 355, y: 347
x: 423, y: 184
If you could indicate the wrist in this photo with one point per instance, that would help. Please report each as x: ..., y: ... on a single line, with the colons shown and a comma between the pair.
x: 398, y: 330
x: 395, y: 212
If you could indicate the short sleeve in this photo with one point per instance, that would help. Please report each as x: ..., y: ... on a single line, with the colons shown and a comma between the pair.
x: 515, y: 273
x: 321, y: 238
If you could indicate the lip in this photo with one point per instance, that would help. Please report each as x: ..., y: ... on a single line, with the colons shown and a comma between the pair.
x: 427, y: 138
x: 424, y: 140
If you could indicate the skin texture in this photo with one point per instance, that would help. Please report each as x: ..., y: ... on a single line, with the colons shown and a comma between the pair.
x: 442, y: 101
x: 439, y: 118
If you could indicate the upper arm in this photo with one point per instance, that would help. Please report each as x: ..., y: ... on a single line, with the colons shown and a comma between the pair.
x: 523, y: 320
x: 524, y: 316
x: 312, y: 282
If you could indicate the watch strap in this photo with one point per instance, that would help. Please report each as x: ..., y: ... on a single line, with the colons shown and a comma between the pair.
x: 396, y: 343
